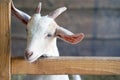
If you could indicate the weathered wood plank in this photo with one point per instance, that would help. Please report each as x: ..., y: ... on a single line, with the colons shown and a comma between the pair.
x: 91, y: 23
x: 53, y: 4
x: 71, y: 4
x: 5, y: 39
x: 68, y: 65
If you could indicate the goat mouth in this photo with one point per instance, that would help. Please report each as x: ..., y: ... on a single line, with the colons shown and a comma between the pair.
x: 43, y: 56
x: 36, y: 58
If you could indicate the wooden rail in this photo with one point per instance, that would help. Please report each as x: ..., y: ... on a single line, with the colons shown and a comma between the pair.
x: 68, y: 65
x: 5, y: 39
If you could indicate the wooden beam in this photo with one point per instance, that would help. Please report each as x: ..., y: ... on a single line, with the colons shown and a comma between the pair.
x: 68, y: 65
x: 5, y: 39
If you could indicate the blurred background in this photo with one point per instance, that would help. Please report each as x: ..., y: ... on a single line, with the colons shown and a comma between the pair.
x: 99, y: 20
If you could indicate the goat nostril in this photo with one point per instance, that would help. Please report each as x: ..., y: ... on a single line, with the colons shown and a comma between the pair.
x: 28, y: 54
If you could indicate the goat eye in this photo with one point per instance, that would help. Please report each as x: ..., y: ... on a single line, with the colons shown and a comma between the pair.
x: 49, y: 35
x: 26, y: 30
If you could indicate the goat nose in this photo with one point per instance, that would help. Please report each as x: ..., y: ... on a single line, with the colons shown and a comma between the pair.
x: 28, y: 54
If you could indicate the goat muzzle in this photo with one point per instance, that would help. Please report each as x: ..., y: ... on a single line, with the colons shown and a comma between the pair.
x: 28, y: 54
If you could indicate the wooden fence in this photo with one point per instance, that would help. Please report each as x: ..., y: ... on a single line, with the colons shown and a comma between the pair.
x: 68, y: 65
x: 53, y: 65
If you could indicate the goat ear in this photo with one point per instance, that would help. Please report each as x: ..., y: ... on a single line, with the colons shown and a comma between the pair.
x: 68, y: 36
x: 23, y: 17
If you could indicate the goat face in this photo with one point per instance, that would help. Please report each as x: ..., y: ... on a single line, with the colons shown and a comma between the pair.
x: 41, y: 40
x: 42, y: 32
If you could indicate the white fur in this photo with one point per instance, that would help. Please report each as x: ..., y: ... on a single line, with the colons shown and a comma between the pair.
x: 38, y: 42
x: 53, y: 77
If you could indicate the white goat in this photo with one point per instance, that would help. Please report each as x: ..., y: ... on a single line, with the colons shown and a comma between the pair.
x: 42, y: 32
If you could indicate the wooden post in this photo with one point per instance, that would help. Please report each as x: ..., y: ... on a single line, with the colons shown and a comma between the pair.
x: 5, y: 40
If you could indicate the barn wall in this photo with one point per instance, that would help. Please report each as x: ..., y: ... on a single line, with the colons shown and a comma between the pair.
x: 99, y: 20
